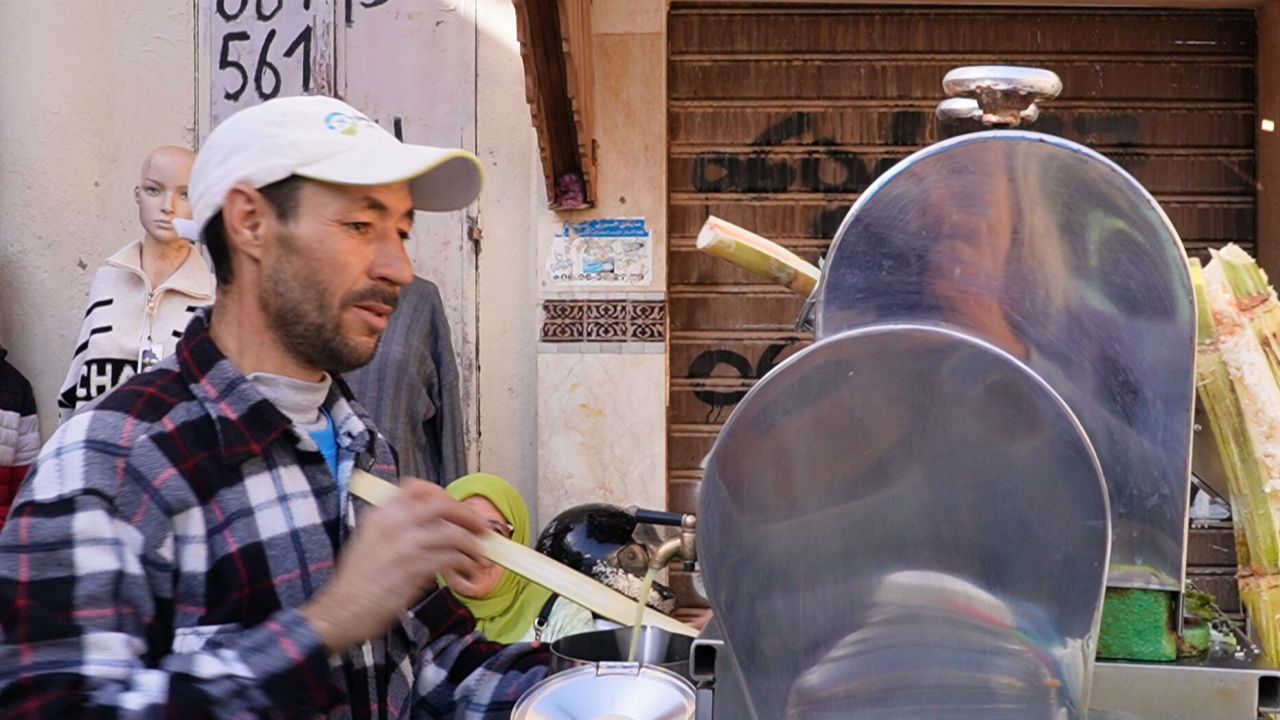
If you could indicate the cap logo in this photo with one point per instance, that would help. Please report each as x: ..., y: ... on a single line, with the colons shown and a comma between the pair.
x: 345, y: 123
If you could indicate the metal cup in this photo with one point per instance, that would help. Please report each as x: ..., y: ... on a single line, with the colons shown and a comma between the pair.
x: 657, y: 647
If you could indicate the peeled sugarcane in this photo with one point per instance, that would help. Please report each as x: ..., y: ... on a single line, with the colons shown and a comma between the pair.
x: 1256, y: 300
x: 1238, y: 380
x: 757, y: 255
x: 1246, y: 474
x: 1260, y: 596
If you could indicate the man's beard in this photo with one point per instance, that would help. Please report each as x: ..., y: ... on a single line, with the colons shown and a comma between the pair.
x: 295, y: 311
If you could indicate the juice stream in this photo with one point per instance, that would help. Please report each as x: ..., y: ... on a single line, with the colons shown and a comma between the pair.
x: 645, y: 587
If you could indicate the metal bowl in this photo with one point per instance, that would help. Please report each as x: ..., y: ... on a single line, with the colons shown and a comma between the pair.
x: 657, y: 647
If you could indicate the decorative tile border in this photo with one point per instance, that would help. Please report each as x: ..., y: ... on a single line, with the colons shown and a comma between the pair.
x: 603, y: 321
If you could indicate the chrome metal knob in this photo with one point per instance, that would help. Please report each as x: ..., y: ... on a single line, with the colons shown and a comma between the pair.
x: 1005, y: 96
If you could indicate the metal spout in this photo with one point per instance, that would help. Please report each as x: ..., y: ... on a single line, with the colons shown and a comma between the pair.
x: 685, y: 545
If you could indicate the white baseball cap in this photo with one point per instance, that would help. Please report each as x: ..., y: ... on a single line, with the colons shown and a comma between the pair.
x: 323, y: 139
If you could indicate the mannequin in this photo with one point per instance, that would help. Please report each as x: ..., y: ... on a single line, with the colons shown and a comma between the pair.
x: 142, y: 297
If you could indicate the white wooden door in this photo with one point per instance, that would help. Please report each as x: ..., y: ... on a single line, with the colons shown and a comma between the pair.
x: 408, y: 64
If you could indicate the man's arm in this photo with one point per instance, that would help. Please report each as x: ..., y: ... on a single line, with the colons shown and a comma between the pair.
x: 461, y: 674
x: 86, y: 626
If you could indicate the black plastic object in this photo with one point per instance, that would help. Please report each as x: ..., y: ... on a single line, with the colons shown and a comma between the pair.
x: 598, y: 540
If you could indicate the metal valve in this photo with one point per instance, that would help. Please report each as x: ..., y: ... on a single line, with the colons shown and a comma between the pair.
x: 997, y: 95
x: 685, y: 546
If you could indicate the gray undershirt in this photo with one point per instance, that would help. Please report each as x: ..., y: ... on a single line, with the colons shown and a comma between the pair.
x: 299, y: 400
x: 302, y: 403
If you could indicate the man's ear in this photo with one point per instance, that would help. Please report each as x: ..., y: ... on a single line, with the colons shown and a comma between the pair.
x: 248, y: 219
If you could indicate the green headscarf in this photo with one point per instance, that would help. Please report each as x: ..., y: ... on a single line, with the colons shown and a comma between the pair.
x: 506, y: 614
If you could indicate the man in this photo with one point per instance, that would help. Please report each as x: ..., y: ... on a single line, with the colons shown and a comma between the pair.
x: 175, y: 550
x: 142, y: 298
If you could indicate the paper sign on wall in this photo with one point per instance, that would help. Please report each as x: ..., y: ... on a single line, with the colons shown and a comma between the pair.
x: 612, y: 251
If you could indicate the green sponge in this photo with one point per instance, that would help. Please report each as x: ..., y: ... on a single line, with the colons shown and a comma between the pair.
x: 1138, y: 625
x: 1194, y: 640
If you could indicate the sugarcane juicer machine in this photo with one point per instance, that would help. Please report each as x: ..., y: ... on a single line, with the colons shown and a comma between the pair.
x: 919, y: 515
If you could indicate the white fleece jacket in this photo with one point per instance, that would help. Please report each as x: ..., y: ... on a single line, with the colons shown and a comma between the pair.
x: 126, y: 316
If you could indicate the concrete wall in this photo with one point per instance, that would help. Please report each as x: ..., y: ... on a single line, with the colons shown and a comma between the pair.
x: 602, y: 406
x: 512, y: 219
x: 581, y: 425
x: 88, y: 87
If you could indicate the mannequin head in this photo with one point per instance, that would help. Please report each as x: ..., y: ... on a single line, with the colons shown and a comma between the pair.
x: 161, y: 192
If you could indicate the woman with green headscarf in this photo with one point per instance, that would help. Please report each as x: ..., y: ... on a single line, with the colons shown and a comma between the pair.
x: 505, y: 605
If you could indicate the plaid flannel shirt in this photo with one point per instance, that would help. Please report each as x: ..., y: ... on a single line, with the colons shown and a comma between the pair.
x: 159, y: 551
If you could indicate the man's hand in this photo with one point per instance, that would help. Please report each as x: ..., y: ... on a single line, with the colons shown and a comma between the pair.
x: 392, y: 559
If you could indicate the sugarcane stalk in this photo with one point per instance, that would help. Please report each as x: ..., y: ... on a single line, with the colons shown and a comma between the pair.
x: 1247, y: 321
x: 1261, y: 598
x: 1255, y: 300
x: 757, y: 255
x: 1246, y: 477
